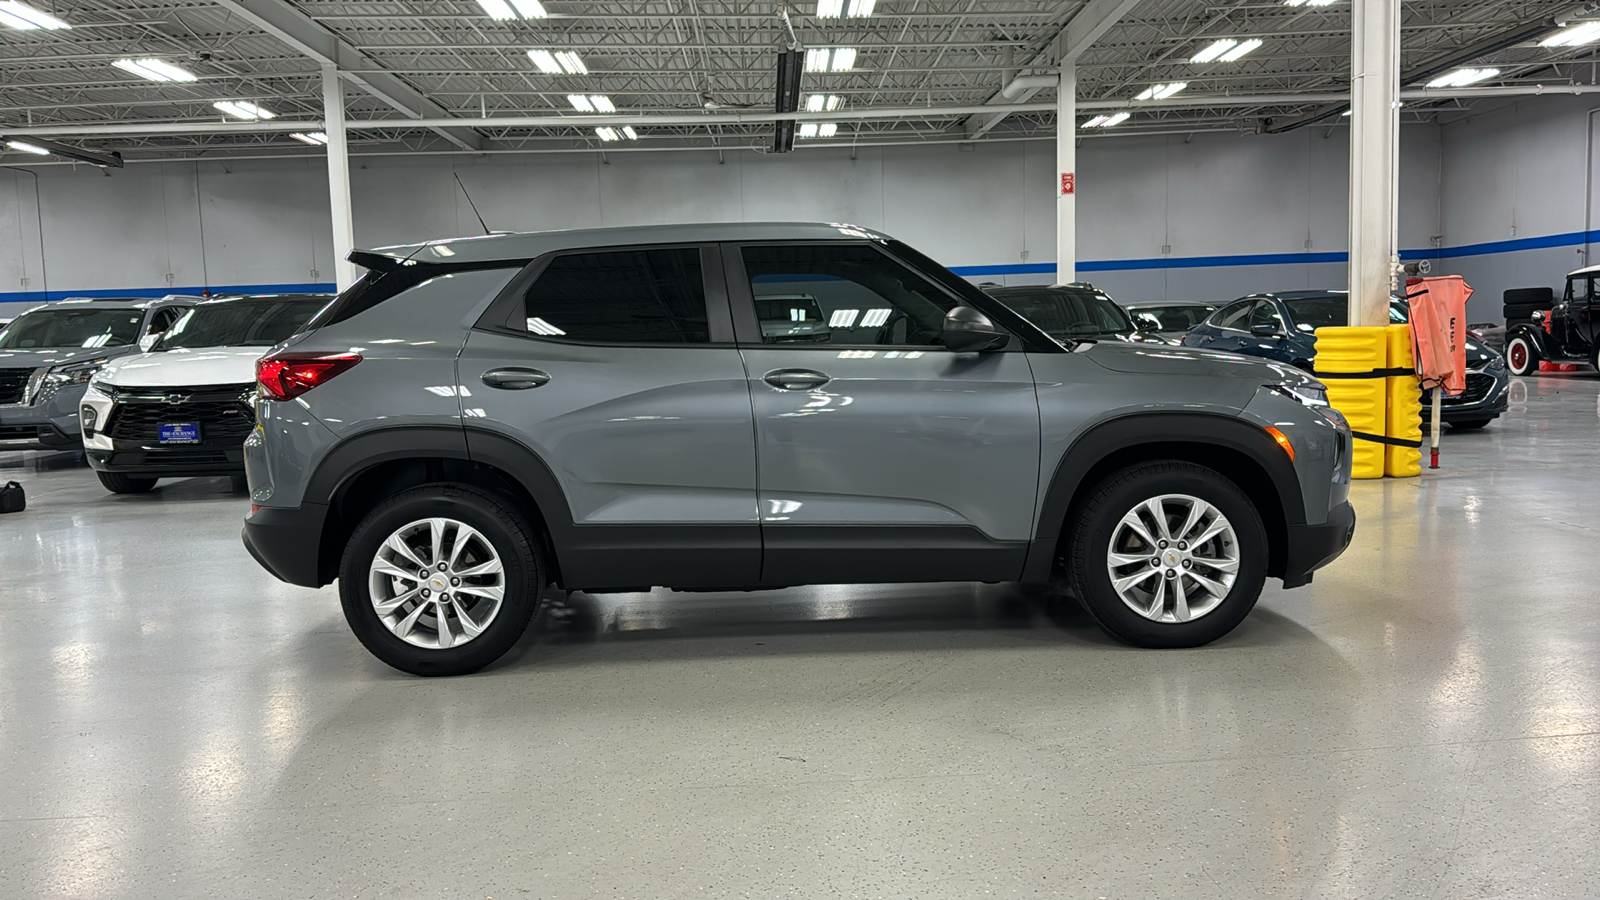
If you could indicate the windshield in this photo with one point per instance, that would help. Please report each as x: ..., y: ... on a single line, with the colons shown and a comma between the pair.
x: 1333, y: 311
x: 1172, y: 318
x: 72, y: 327
x: 1070, y: 314
x: 250, y: 323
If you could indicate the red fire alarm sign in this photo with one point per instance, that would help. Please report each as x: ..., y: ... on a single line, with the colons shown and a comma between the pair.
x: 1069, y: 183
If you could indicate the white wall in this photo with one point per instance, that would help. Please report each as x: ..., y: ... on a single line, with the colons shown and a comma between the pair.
x: 1154, y: 212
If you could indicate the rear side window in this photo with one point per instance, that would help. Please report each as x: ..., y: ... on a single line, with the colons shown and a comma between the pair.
x: 621, y: 296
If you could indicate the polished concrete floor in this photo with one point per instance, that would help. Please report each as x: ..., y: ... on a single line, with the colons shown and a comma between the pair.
x: 1423, y: 721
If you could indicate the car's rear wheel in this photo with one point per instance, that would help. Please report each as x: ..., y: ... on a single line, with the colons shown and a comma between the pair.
x: 119, y: 483
x: 1168, y: 554
x: 1522, y: 358
x: 441, y: 579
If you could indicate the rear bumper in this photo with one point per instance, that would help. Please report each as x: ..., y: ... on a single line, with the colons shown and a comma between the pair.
x: 288, y: 542
x: 1310, y: 547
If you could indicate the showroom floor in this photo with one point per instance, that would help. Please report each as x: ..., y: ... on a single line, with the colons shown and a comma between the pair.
x: 1423, y: 721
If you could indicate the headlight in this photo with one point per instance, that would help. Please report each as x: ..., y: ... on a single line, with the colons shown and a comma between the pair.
x: 1313, y: 395
x: 1497, y: 362
x: 74, y: 373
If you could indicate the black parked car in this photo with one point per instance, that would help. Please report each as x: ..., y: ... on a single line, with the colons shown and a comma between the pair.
x: 1283, y: 326
x: 1073, y: 312
x: 1568, y: 332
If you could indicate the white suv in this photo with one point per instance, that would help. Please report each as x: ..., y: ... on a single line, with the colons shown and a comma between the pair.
x: 184, y: 408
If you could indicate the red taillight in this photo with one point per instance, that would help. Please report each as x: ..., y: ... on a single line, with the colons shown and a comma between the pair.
x: 285, y: 376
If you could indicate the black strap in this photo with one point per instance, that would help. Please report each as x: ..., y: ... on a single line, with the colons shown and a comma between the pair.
x: 1375, y: 373
x: 1380, y: 439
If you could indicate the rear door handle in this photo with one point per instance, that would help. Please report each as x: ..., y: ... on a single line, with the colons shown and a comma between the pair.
x: 515, y: 378
x: 795, y: 379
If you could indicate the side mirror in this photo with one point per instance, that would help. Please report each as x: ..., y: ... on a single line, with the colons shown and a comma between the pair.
x: 968, y: 331
x: 1146, y: 325
x: 1264, y: 330
x: 149, y: 342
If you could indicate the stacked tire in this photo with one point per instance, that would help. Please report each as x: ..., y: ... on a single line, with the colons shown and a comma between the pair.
x: 1521, y: 303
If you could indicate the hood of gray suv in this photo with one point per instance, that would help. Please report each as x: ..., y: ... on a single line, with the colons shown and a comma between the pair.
x: 1155, y: 359
x: 34, y: 357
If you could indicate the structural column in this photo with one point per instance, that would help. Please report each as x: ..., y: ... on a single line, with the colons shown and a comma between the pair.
x: 1374, y: 158
x: 338, y: 175
x: 1067, y: 174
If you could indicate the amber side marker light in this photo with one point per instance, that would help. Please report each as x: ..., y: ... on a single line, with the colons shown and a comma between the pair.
x: 1283, y: 441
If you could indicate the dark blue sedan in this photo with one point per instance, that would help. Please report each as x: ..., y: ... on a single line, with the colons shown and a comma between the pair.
x: 1283, y: 326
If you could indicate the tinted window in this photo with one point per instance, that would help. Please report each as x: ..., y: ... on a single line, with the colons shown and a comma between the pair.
x: 842, y: 294
x: 1233, y: 316
x: 632, y: 296
x: 73, y: 327
x: 241, y: 323
x: 1265, y: 312
x: 1063, y: 313
x: 1332, y: 311
x: 1172, y: 318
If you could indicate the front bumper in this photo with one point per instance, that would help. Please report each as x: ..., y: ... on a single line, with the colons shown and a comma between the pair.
x: 1310, y: 547
x: 169, y: 462
x: 49, y: 423
x: 288, y: 542
x: 1491, y: 403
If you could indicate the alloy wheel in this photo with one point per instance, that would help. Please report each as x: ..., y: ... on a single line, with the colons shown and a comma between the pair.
x: 1173, y: 558
x: 436, y: 583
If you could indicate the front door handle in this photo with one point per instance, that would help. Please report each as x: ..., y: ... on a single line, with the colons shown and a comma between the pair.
x: 515, y: 378
x: 795, y: 379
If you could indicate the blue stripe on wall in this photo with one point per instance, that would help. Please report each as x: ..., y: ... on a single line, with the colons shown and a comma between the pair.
x: 1569, y: 239
x: 42, y: 297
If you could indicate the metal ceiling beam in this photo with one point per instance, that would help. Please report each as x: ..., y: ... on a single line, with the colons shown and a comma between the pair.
x: 300, y: 31
x: 750, y: 118
x: 1088, y: 26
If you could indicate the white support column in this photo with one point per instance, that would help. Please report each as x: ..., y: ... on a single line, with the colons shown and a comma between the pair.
x: 1374, y: 158
x: 1067, y: 174
x: 338, y: 175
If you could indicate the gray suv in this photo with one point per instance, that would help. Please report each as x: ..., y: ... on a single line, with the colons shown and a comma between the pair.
x: 617, y: 409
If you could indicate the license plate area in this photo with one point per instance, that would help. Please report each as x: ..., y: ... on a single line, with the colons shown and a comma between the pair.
x: 179, y: 433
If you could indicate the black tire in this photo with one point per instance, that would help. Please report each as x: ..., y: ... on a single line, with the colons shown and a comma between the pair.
x: 1529, y: 297
x: 1469, y: 424
x: 506, y: 529
x: 1097, y: 520
x: 1522, y: 355
x: 118, y: 483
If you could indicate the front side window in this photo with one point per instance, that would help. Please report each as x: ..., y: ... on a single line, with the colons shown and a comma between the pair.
x: 1328, y: 311
x: 1234, y: 316
x: 842, y: 294
x: 72, y: 327
x: 621, y: 296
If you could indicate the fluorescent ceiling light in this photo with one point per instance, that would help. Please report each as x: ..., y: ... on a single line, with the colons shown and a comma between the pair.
x: 1162, y: 91
x: 830, y: 59
x: 591, y: 103
x: 25, y: 18
x: 830, y: 9
x: 1576, y: 36
x: 823, y: 102
x: 1463, y: 77
x: 843, y: 318
x: 629, y: 133
x: 560, y: 62
x: 818, y: 129
x: 827, y: 129
x: 1107, y: 121
x: 546, y: 61
x: 154, y: 69
x: 314, y: 138
x: 875, y: 318
x: 607, y: 133
x: 26, y: 147
x: 243, y: 109
x: 502, y: 11
x: 1214, y: 50
x: 860, y: 9
x: 1309, y: 2
x: 572, y: 62
x: 838, y: 9
x: 1245, y: 47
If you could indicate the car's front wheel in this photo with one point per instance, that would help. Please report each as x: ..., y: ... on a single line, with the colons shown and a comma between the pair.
x: 1522, y: 357
x: 441, y: 579
x: 1168, y: 554
x: 119, y: 483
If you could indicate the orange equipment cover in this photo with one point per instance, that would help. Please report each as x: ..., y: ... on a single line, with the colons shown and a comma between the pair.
x: 1439, y: 331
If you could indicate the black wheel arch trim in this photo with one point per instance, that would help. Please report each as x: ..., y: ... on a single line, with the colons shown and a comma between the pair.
x: 1126, y: 432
